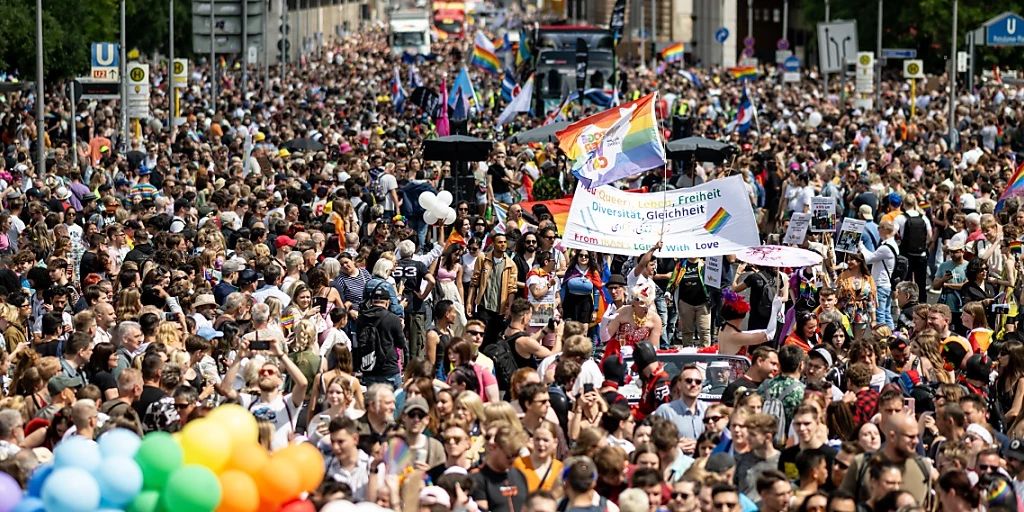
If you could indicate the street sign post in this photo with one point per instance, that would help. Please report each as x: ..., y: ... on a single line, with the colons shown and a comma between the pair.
x: 837, y: 43
x: 1007, y: 29
x: 138, y: 90
x: 899, y: 53
x: 721, y: 35
x: 180, y: 73
x: 104, y: 60
x: 782, y: 55
x: 791, y: 69
x: 865, y: 78
x: 913, y: 69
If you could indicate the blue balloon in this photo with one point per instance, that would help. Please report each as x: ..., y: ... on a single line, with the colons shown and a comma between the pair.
x: 120, y: 479
x: 71, y: 490
x: 121, y: 442
x: 38, y: 478
x: 30, y: 504
x: 78, y: 452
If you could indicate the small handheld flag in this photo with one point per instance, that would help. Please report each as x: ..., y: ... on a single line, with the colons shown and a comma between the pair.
x: 673, y: 52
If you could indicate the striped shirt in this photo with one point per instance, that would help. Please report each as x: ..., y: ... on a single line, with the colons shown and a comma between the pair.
x: 351, y: 288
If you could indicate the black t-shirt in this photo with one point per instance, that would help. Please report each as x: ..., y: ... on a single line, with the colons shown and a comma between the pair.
x: 149, y: 395
x: 498, y: 175
x: 49, y: 348
x: 787, y: 460
x: 412, y: 272
x: 90, y: 265
x: 104, y: 380
x: 504, y: 492
x: 729, y: 395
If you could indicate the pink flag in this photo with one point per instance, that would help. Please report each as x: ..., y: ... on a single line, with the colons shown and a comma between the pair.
x: 443, y: 130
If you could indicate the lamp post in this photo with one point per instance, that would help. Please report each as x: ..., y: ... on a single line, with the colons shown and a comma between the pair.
x: 953, y: 136
x: 40, y: 101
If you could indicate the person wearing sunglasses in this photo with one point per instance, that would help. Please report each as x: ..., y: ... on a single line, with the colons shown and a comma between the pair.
x: 686, y: 411
x: 684, y: 496
x: 427, y: 451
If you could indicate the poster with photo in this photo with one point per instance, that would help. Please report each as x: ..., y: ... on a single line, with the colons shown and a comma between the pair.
x: 849, y: 235
x: 797, y: 230
x: 823, y: 214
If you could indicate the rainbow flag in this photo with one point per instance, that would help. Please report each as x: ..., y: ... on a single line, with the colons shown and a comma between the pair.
x: 717, y: 221
x: 672, y: 53
x: 484, y: 55
x: 614, y: 144
x: 1016, y: 247
x: 743, y: 72
x: 1014, y: 187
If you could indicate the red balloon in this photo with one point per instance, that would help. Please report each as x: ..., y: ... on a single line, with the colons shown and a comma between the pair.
x: 298, y: 506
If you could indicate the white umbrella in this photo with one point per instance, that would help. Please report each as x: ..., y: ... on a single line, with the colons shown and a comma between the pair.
x: 779, y: 256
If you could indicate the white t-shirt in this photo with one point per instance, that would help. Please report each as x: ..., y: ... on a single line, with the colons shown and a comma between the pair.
x: 281, y: 412
x: 388, y: 182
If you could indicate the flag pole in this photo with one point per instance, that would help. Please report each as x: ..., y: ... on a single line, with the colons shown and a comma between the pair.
x: 757, y: 121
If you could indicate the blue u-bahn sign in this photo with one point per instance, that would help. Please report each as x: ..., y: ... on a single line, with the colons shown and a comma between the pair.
x: 1007, y: 29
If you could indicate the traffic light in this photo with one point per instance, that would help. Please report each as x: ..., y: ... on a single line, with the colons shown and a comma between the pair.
x: 283, y: 44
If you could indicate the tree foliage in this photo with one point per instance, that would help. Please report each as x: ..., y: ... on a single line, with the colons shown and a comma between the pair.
x: 924, y: 25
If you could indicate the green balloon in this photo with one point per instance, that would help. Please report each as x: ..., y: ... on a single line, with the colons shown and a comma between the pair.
x: 192, y: 488
x: 146, y: 501
x: 158, y: 456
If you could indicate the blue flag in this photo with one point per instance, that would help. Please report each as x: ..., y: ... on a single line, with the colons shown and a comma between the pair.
x: 508, y: 85
x: 469, y: 95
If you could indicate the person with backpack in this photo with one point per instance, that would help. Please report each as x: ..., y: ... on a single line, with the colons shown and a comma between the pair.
x: 380, y: 335
x: 915, y: 230
x: 764, y: 284
x: 900, y: 448
x: 784, y: 393
x: 883, y: 262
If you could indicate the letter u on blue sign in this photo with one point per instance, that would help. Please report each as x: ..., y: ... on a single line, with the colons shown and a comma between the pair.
x: 104, y: 55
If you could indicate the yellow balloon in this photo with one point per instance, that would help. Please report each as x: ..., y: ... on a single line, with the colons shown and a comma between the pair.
x: 239, y: 422
x: 206, y: 443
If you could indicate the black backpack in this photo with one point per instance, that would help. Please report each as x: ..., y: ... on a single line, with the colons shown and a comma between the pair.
x: 368, y: 347
x: 504, y: 360
x: 900, y: 271
x: 915, y: 235
x: 768, y: 293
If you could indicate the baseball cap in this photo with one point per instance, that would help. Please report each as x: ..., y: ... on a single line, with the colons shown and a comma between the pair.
x: 61, y: 382
x: 720, y: 462
x: 416, y: 403
x: 209, y: 333
x: 249, y: 276
x: 1015, y: 450
x: 865, y: 212
x: 379, y: 293
x: 231, y: 266
x: 283, y: 240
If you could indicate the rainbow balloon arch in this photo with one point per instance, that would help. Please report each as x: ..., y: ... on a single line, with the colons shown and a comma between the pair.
x: 214, y: 463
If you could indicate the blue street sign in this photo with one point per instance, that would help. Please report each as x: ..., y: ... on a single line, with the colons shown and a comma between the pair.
x: 791, y: 64
x: 899, y: 53
x: 1006, y: 29
x: 104, y: 55
x: 721, y: 35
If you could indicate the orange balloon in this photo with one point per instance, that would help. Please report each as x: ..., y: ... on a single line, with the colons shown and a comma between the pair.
x: 279, y: 481
x: 249, y: 458
x: 307, y: 461
x: 238, y: 492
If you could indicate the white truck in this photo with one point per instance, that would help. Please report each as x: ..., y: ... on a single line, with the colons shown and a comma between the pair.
x: 410, y: 32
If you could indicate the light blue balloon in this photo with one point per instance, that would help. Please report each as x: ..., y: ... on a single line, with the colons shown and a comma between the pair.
x: 120, y: 442
x: 38, y: 478
x: 120, y: 480
x: 78, y: 452
x: 30, y: 504
x: 71, y: 489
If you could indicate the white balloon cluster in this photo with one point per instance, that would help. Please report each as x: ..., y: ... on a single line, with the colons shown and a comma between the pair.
x: 438, y: 207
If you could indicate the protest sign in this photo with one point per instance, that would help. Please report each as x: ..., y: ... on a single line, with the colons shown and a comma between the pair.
x: 797, y: 230
x: 849, y: 235
x: 823, y: 214
x: 707, y: 220
x: 713, y: 272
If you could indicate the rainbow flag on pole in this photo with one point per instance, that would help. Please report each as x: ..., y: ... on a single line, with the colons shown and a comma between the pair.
x: 614, y: 144
x: 743, y: 72
x: 484, y: 55
x: 672, y: 53
x: 1014, y: 187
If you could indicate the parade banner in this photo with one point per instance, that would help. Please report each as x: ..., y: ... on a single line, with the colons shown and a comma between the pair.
x: 849, y: 235
x: 797, y: 230
x: 710, y: 219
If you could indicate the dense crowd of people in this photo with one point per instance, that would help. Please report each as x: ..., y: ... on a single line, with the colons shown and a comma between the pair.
x: 211, y: 264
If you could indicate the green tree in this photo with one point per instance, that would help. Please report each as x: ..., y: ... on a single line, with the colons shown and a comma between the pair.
x: 69, y: 26
x: 921, y: 24
x: 148, y: 27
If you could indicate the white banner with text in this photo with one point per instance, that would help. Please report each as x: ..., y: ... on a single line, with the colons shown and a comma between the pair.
x: 710, y: 219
